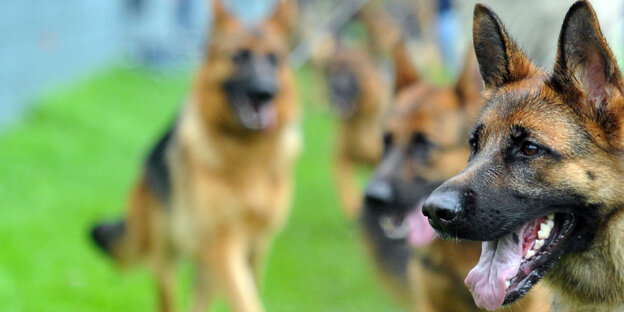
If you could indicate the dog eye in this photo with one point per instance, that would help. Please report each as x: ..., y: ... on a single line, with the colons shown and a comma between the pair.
x: 420, y: 145
x: 272, y: 58
x: 420, y: 140
x: 242, y: 56
x: 473, y: 141
x: 473, y: 146
x: 529, y: 149
x: 387, y: 142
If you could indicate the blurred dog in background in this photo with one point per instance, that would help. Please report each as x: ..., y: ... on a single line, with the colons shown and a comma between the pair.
x: 359, y: 94
x: 218, y: 185
x: 424, y: 144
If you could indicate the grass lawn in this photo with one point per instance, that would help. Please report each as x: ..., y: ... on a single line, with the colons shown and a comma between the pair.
x: 71, y: 162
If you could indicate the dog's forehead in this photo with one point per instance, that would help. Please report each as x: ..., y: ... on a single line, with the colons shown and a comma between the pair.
x: 256, y: 38
x: 533, y: 107
x: 430, y: 110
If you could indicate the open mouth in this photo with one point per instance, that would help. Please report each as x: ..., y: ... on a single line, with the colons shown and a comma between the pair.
x: 256, y: 114
x: 412, y: 226
x: 512, y: 264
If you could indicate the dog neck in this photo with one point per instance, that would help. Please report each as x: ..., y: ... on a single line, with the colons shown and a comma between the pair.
x: 194, y: 134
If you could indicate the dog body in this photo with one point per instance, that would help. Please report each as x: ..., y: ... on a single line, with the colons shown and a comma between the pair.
x: 218, y: 186
x: 543, y: 186
x: 425, y: 143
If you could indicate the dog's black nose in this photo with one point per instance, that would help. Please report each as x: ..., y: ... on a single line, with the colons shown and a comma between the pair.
x: 379, y: 193
x: 261, y: 92
x: 442, y: 207
x: 260, y: 96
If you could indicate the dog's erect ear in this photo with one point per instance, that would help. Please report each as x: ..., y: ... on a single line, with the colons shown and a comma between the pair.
x: 404, y: 72
x: 585, y: 71
x: 220, y: 15
x: 500, y: 60
x: 284, y: 15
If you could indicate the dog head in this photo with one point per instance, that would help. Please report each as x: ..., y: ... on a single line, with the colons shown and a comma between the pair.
x: 354, y: 76
x: 354, y: 81
x: 425, y: 143
x: 245, y: 83
x: 344, y: 81
x: 545, y: 152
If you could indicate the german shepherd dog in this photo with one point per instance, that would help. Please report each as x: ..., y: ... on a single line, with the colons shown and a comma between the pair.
x: 218, y: 186
x: 425, y: 143
x: 359, y: 97
x: 542, y: 189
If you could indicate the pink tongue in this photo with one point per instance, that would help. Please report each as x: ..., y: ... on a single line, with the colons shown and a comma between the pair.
x: 421, y: 233
x: 500, y: 260
x: 267, y: 116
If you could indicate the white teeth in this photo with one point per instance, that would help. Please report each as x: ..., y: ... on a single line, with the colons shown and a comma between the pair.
x: 538, y: 244
x: 543, y: 233
x: 545, y: 228
x: 507, y: 283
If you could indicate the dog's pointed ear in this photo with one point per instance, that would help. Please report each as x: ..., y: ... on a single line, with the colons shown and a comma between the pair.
x: 284, y: 15
x: 220, y: 15
x: 586, y: 71
x: 404, y: 72
x: 500, y: 60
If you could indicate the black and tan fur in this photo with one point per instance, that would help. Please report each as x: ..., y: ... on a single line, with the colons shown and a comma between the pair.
x: 547, y: 142
x: 218, y: 186
x: 425, y: 143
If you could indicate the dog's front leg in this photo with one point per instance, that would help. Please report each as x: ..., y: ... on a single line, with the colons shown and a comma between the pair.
x: 230, y: 261
x: 348, y: 190
x: 165, y: 276
x: 257, y: 258
x: 205, y: 287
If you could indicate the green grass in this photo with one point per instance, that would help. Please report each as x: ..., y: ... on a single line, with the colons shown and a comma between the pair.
x: 71, y: 162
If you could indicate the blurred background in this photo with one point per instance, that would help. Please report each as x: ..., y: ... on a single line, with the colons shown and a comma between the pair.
x: 86, y: 87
